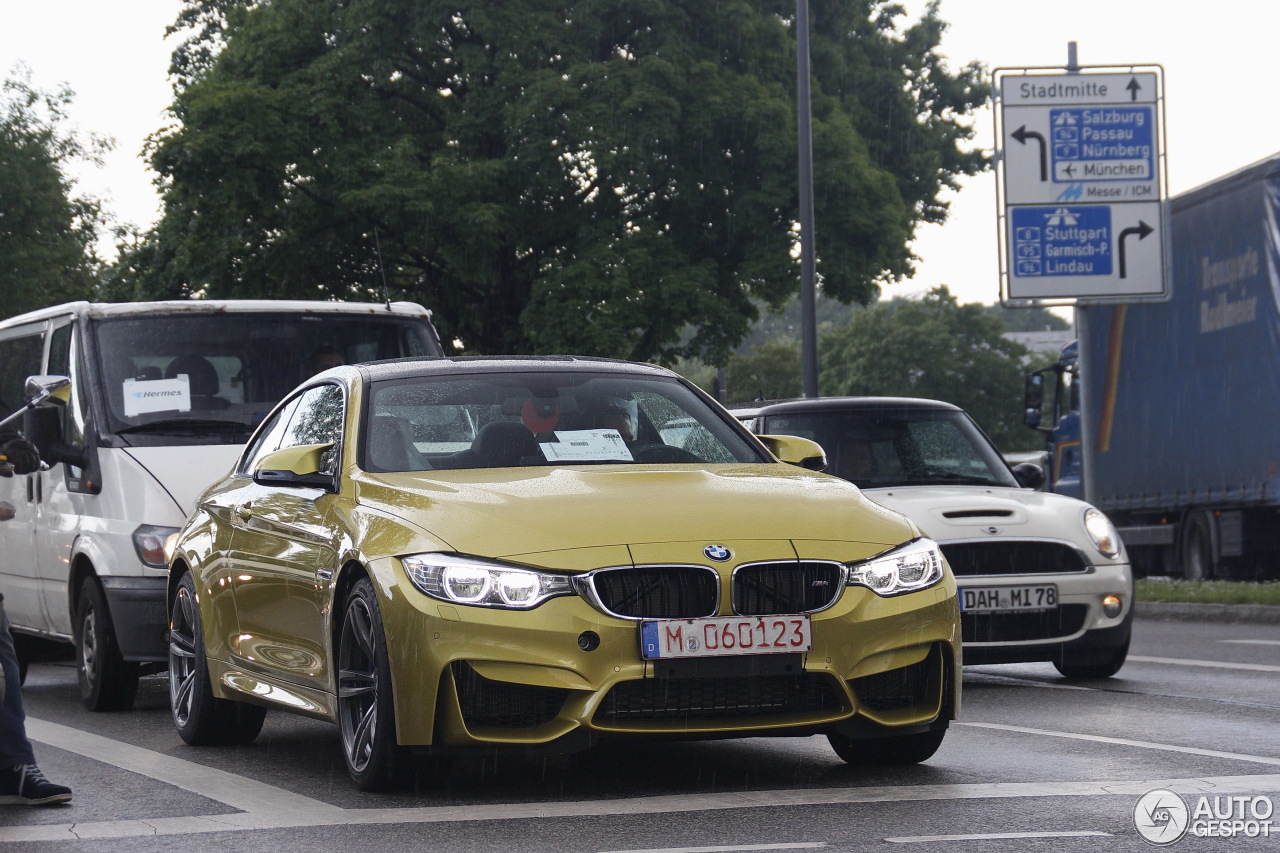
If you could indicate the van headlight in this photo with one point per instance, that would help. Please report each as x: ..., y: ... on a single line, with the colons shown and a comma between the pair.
x: 459, y: 579
x: 154, y: 544
x: 907, y: 568
x: 1101, y: 532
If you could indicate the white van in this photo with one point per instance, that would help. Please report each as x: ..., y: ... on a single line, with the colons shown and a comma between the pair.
x: 163, y: 396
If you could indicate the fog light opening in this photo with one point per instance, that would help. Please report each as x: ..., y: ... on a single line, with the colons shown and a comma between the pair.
x: 588, y: 641
x: 1111, y: 606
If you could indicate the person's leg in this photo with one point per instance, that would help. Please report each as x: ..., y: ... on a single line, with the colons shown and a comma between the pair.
x: 14, y: 746
x: 21, y: 782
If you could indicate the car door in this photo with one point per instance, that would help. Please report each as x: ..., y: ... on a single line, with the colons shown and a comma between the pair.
x: 21, y: 355
x: 283, y: 552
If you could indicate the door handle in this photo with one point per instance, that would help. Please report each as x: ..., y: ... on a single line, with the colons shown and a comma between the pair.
x: 245, y: 511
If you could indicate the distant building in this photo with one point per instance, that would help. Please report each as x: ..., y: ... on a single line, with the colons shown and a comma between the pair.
x: 1043, y: 341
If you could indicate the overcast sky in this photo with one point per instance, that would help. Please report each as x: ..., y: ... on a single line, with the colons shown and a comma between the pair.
x: 1218, y: 61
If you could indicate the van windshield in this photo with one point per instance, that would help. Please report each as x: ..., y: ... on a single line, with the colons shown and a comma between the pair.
x: 200, y: 377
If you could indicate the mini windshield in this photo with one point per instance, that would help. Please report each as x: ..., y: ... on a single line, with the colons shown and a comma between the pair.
x: 193, y: 377
x: 900, y: 446
x: 512, y: 420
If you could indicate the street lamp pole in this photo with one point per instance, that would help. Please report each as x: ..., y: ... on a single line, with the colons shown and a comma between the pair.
x: 808, y: 310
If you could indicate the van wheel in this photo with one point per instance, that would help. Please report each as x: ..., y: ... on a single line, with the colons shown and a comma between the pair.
x: 889, y: 750
x: 107, y: 681
x: 201, y: 719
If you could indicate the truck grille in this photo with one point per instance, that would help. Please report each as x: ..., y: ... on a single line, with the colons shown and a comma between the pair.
x: 1012, y: 626
x: 762, y: 589
x: 658, y: 592
x: 1012, y: 558
x: 701, y: 699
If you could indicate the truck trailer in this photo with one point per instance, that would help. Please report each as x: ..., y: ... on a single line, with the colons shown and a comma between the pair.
x: 1166, y: 415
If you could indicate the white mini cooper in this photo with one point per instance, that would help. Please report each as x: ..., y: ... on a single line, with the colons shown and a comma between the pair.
x: 1042, y: 577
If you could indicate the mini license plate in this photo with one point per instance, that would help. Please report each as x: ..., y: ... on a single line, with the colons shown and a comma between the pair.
x: 984, y: 599
x: 725, y: 635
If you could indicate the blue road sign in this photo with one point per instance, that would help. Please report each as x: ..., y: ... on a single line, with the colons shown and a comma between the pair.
x: 1062, y: 240
x: 1104, y: 143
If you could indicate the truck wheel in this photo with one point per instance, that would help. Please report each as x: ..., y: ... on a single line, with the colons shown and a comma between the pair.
x: 107, y: 681
x: 1197, y: 547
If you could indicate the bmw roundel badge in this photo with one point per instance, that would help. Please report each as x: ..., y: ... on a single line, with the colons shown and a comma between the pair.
x: 719, y: 553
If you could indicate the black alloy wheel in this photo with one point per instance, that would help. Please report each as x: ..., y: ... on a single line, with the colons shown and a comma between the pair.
x: 366, y: 710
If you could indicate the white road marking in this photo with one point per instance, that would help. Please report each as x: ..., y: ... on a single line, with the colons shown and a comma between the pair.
x: 1209, y: 664
x: 1253, y: 642
x: 735, y: 848
x: 994, y: 836
x: 1141, y: 744
x: 263, y: 806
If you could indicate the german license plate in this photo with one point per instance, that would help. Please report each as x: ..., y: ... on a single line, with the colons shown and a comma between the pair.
x: 984, y: 599
x: 725, y: 635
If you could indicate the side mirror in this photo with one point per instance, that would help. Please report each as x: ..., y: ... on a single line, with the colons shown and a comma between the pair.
x: 47, y: 390
x: 795, y: 450
x: 1029, y: 475
x: 299, y: 465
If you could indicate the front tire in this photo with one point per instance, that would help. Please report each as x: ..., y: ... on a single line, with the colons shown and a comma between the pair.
x: 201, y: 718
x: 1102, y: 664
x: 107, y: 681
x: 366, y: 710
x: 893, y: 750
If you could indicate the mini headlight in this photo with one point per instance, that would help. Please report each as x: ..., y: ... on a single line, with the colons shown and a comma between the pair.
x: 470, y: 580
x: 1101, y: 533
x: 911, y: 567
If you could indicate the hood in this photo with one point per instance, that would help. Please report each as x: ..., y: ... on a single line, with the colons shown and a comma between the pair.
x: 508, y: 512
x: 185, y: 472
x: 947, y: 513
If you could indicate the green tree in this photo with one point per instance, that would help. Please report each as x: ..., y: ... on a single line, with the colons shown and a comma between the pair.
x: 47, y: 232
x: 614, y: 177
x: 936, y: 348
x: 772, y: 372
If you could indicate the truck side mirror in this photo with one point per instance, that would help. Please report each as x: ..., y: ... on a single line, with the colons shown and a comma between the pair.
x: 1033, y: 399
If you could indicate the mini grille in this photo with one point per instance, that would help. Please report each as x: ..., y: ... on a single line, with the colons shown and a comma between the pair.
x: 1012, y: 558
x: 762, y: 589
x: 696, y: 699
x: 1012, y: 626
x: 499, y: 704
x: 658, y: 592
x: 897, y: 688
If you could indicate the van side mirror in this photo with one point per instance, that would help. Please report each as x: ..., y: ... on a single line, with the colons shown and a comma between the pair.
x: 795, y: 450
x: 47, y: 390
x: 299, y: 465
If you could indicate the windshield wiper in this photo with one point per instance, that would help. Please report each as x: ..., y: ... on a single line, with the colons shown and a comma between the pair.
x: 193, y: 425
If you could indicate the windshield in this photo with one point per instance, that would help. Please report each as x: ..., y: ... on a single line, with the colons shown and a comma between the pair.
x: 538, y: 419
x: 188, y: 378
x: 901, y: 446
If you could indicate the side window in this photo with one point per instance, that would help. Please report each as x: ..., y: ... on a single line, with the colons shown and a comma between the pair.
x: 60, y: 361
x: 268, y: 437
x: 317, y: 420
x: 20, y: 357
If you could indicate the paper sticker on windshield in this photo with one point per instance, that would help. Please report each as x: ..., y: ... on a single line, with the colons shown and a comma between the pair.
x: 157, y: 395
x: 586, y: 445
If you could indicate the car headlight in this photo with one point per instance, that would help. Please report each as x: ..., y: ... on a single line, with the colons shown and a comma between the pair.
x: 484, y: 583
x: 908, y: 568
x: 1101, y: 533
x: 154, y: 544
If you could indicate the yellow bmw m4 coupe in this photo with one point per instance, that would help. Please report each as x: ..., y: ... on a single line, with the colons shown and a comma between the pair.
x: 445, y: 555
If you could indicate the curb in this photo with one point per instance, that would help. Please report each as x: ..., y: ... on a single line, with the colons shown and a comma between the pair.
x: 1264, y: 614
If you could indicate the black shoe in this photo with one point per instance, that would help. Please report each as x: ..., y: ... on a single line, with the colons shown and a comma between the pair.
x: 25, y: 785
